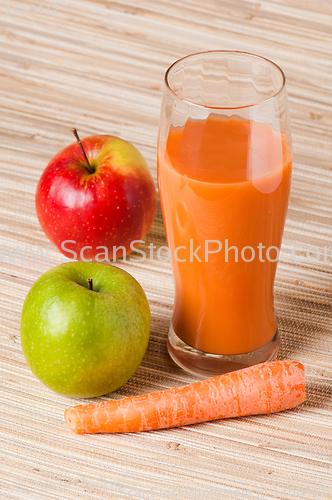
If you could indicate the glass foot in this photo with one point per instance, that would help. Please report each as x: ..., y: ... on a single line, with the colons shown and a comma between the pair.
x: 204, y: 364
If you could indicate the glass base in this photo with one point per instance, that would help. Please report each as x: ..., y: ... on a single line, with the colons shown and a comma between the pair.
x: 204, y: 364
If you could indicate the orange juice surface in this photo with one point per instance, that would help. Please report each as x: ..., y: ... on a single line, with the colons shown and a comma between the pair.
x: 224, y: 185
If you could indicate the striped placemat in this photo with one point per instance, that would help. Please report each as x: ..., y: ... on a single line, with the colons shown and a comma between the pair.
x: 98, y: 66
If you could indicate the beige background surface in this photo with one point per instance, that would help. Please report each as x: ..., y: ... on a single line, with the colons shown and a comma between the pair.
x: 99, y: 65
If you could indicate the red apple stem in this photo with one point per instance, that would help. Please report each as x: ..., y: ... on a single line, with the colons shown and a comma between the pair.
x: 82, y: 149
x: 90, y: 284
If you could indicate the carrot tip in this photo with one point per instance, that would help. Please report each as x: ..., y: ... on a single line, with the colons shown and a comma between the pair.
x: 71, y: 421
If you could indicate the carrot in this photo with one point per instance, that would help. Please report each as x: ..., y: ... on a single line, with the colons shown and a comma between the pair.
x: 265, y: 388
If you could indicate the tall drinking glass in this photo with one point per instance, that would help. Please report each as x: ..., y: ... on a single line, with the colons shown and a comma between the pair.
x: 224, y: 174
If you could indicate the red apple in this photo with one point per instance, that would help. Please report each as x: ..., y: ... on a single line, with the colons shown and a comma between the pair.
x: 102, y: 195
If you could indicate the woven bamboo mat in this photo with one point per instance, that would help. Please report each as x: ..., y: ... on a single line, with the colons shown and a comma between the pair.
x: 98, y: 66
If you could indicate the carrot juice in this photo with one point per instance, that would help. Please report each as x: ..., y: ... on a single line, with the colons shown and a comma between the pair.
x: 224, y: 186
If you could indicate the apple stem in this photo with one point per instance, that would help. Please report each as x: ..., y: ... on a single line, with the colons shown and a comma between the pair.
x: 90, y: 283
x: 90, y: 168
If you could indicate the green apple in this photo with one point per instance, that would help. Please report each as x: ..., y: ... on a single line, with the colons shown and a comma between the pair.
x: 85, y: 342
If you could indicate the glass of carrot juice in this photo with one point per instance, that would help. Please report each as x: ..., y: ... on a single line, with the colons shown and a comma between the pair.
x: 224, y: 176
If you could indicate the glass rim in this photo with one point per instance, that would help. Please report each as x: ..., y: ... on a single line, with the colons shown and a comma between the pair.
x: 275, y: 94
